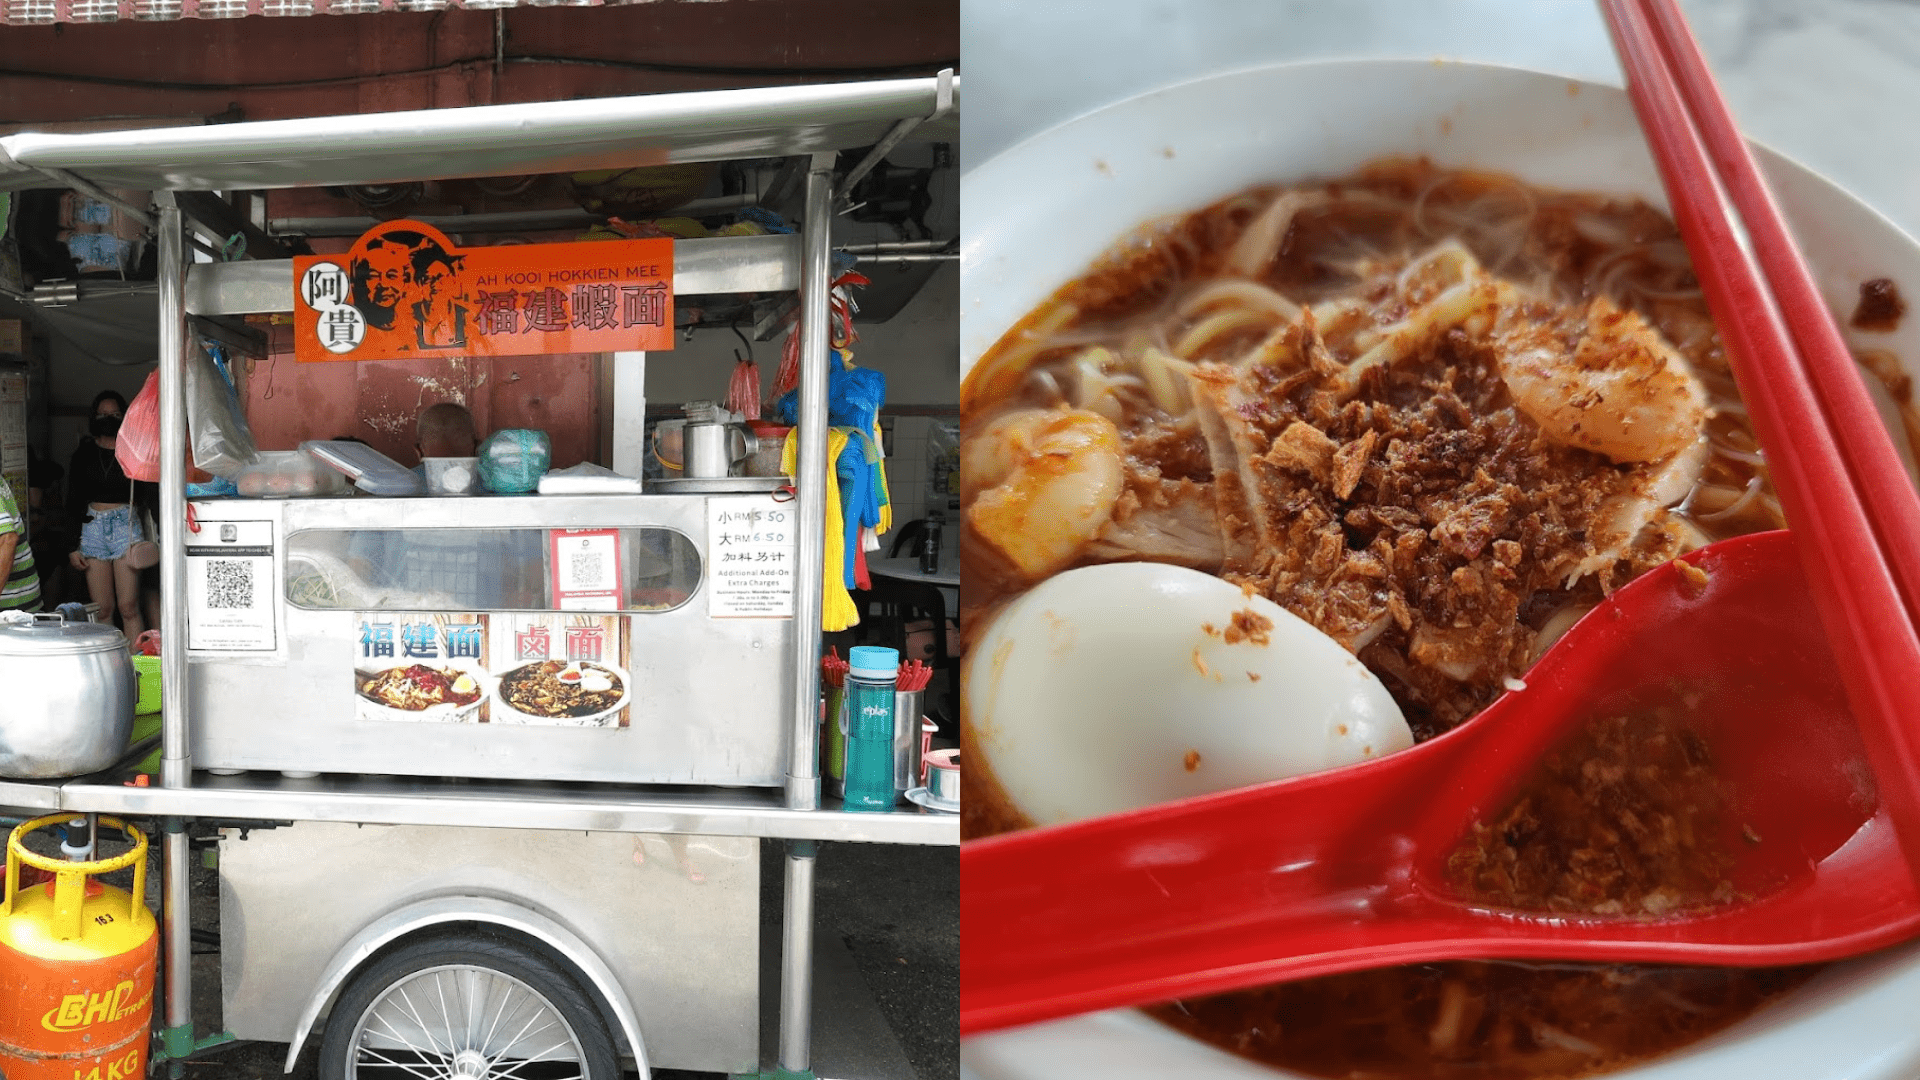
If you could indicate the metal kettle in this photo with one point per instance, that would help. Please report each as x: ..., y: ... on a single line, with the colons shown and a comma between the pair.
x: 70, y: 693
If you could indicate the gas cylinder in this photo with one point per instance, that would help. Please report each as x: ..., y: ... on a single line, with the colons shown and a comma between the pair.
x: 77, y: 963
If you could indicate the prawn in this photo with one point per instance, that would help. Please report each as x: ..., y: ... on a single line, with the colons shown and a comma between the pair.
x: 1620, y: 390
x: 1042, y: 484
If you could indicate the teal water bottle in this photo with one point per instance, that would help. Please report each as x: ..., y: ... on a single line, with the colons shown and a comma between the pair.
x: 867, y: 720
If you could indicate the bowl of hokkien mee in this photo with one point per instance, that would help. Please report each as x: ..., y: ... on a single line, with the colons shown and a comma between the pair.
x: 1411, y: 351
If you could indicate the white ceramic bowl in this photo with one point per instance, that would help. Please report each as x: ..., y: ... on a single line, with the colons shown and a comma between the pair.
x: 504, y: 713
x: 1038, y: 214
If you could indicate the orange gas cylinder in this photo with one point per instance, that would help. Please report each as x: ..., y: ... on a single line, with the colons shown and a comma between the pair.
x: 76, y: 965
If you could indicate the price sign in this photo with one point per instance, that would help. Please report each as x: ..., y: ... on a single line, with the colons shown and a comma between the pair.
x: 751, y: 550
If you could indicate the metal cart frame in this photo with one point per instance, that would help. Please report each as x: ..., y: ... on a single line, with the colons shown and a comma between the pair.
x: 814, y: 121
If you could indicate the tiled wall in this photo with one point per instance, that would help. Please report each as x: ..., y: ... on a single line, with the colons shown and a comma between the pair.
x: 909, y: 473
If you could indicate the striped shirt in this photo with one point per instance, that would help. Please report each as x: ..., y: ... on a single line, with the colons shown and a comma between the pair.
x: 21, y: 586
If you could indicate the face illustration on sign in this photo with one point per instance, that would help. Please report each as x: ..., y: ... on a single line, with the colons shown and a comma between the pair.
x: 405, y: 290
x: 406, y: 284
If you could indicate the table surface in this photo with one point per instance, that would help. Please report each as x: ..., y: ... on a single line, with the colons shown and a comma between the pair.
x: 1827, y: 82
x: 907, y: 568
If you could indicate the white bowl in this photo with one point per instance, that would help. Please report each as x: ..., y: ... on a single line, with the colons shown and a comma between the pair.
x: 504, y: 713
x: 1038, y: 214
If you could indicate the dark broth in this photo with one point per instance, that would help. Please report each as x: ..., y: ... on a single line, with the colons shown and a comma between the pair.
x: 1627, y: 818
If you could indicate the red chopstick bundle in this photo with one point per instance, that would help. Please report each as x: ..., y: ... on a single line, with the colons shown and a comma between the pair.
x: 833, y: 670
x: 1827, y: 451
x: 913, y: 675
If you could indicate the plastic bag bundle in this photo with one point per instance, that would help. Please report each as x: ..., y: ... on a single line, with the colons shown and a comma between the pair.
x: 840, y: 331
x: 743, y: 390
x: 854, y: 396
x: 513, y: 460
x: 222, y: 443
x: 137, y: 447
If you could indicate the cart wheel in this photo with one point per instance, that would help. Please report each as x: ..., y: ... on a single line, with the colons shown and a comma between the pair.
x: 466, y: 1007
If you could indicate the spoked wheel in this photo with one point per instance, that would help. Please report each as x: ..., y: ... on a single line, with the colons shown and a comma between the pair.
x: 466, y: 1007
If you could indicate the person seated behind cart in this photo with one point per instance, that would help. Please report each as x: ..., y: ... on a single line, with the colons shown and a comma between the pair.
x: 458, y: 569
x: 19, y: 581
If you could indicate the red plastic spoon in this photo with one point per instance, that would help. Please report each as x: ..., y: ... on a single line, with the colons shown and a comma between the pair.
x: 1346, y: 869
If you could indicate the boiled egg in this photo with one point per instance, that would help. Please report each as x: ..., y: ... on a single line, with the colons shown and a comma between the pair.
x: 464, y: 684
x: 1127, y: 684
x: 595, y: 683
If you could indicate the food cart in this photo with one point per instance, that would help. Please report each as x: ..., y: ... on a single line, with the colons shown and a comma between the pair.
x: 598, y: 881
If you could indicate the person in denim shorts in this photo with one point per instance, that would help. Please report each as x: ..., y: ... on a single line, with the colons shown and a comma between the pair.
x: 109, y: 528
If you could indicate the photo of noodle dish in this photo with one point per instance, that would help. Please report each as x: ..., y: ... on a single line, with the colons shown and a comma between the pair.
x: 439, y: 691
x: 562, y: 693
x: 1431, y: 389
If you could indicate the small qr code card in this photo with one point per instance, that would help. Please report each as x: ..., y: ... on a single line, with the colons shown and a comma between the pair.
x: 230, y: 588
x: 586, y: 569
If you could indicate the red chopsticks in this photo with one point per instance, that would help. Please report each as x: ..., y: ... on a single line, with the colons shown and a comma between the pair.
x: 1852, y: 507
x: 914, y: 675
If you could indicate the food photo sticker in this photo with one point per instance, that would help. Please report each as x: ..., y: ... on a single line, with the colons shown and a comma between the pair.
x: 405, y: 290
x: 418, y: 667
x: 557, y: 669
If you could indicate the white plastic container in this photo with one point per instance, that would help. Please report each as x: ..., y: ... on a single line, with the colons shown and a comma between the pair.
x: 452, y: 475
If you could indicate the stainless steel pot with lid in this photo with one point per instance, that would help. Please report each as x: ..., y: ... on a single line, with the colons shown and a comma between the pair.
x: 67, y: 691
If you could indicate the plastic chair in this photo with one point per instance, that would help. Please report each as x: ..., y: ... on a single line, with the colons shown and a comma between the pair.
x: 907, y: 537
x: 898, y: 604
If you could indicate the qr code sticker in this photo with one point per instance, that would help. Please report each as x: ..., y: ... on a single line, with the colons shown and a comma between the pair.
x: 229, y: 584
x: 586, y: 566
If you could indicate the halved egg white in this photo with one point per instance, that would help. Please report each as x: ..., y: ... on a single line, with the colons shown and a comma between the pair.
x: 1116, y: 686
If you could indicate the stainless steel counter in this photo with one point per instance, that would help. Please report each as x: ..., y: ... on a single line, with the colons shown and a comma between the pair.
x: 497, y: 804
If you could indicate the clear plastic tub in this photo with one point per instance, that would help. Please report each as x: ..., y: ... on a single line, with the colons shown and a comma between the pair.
x: 452, y: 475
x: 288, y: 474
x: 372, y: 471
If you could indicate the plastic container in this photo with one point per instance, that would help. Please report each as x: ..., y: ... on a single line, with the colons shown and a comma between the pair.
x: 288, y: 474
x: 769, y: 440
x: 833, y: 744
x: 513, y: 460
x: 372, y: 471
x: 148, y: 669
x: 451, y: 475
x: 867, y: 720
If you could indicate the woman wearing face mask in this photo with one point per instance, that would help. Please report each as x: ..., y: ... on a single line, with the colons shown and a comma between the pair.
x: 109, y: 526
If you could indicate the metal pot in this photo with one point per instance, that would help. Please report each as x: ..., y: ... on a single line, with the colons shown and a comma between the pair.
x: 67, y: 691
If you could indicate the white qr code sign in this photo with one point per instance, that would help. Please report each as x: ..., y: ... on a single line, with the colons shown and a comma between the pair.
x: 230, y: 589
x: 586, y: 569
x: 751, y: 547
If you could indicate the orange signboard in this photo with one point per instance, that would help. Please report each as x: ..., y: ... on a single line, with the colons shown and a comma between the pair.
x: 406, y: 291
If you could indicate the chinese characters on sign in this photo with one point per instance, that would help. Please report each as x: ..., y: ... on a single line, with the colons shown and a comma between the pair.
x: 751, y: 549
x: 405, y: 290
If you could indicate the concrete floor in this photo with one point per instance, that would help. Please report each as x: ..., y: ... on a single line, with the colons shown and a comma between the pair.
x: 886, y: 970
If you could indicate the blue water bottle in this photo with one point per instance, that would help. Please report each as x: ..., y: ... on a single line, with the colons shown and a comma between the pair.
x: 867, y: 720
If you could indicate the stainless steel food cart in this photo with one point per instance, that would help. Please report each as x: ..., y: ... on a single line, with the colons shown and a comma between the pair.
x: 615, y: 868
